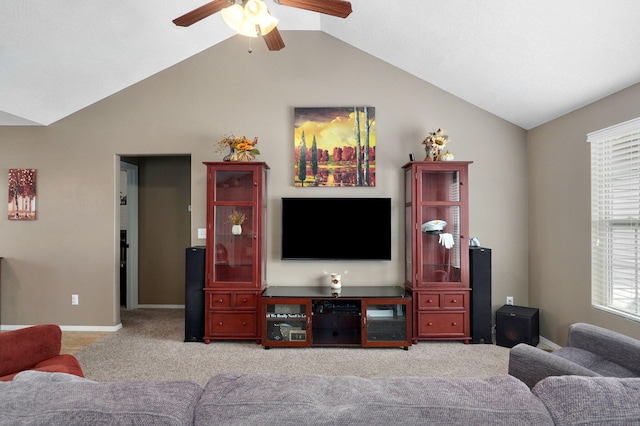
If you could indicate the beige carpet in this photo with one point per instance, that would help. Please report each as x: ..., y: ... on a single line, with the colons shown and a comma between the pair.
x: 151, y: 346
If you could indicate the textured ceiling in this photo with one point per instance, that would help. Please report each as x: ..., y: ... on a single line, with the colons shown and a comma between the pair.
x: 525, y: 61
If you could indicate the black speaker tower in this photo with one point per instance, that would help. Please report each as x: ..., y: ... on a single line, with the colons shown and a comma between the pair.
x: 194, y: 294
x: 480, y: 281
x: 517, y: 324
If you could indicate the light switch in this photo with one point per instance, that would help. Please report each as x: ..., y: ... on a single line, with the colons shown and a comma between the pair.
x: 202, y: 233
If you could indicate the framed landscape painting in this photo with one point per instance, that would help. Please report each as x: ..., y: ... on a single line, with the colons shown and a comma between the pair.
x: 22, y: 194
x: 334, y: 147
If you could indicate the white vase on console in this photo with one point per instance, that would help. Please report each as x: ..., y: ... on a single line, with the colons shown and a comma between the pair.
x: 336, y: 281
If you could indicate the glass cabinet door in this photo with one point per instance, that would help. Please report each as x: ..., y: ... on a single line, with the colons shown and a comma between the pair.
x: 234, y: 234
x: 439, y: 216
x: 286, y: 323
x: 386, y: 321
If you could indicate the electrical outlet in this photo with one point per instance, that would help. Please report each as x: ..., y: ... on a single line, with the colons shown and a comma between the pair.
x: 509, y: 300
x: 74, y: 299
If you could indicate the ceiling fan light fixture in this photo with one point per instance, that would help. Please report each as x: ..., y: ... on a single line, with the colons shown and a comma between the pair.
x: 267, y: 24
x: 254, y: 10
x: 251, y: 20
x: 233, y: 16
x: 247, y: 29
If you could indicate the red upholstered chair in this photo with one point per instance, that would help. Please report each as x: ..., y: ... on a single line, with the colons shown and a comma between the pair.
x: 35, y: 348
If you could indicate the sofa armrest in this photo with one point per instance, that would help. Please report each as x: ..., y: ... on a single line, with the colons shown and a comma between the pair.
x: 610, y: 345
x: 24, y: 348
x: 530, y: 365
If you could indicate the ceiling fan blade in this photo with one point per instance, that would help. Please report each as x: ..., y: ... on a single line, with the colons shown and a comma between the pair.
x: 202, y: 12
x: 338, y: 8
x: 274, y: 40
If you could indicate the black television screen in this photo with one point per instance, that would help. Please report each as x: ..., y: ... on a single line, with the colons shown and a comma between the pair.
x: 336, y: 228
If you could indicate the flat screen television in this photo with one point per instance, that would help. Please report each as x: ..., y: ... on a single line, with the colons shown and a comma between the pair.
x: 336, y: 228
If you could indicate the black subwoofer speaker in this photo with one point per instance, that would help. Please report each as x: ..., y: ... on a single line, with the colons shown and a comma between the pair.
x: 194, y: 294
x: 480, y: 281
x: 517, y: 324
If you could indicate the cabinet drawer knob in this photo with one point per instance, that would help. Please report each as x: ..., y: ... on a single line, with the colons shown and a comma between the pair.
x: 244, y: 323
x: 244, y: 300
x: 220, y: 323
x: 455, y: 300
x: 430, y: 301
x: 220, y: 300
x: 453, y: 323
x: 430, y: 323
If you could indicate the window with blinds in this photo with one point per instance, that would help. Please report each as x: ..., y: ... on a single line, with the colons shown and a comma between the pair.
x: 615, y: 219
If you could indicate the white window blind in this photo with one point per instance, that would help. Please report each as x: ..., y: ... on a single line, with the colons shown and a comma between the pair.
x: 615, y: 219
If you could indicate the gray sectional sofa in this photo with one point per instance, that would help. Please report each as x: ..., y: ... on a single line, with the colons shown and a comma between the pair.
x: 36, y: 398
x: 591, y: 351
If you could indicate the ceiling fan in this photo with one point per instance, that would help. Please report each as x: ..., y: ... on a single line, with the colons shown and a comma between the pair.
x: 251, y: 18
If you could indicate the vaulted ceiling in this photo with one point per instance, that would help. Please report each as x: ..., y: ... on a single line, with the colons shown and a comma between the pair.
x: 525, y: 61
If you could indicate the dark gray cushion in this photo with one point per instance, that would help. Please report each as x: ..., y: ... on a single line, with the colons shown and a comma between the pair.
x: 594, y: 362
x: 74, y: 403
x: 531, y: 365
x: 322, y: 400
x: 614, y: 347
x: 591, y: 400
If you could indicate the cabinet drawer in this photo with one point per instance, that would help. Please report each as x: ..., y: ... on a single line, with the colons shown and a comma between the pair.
x: 232, y: 300
x: 428, y: 301
x: 226, y: 323
x: 245, y: 300
x: 218, y: 300
x: 441, y: 300
x: 454, y: 300
x: 430, y: 324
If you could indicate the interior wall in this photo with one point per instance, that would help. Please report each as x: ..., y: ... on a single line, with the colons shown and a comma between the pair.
x: 72, y: 247
x: 560, y: 216
x: 164, y: 196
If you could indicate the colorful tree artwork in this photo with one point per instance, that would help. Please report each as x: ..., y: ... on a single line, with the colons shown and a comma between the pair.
x: 334, y: 146
x: 22, y: 194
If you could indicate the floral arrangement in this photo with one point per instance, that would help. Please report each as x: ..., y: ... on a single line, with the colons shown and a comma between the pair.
x: 435, y: 143
x: 237, y: 218
x: 241, y: 148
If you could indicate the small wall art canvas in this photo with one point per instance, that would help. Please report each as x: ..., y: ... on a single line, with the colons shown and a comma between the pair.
x: 335, y: 147
x: 22, y: 194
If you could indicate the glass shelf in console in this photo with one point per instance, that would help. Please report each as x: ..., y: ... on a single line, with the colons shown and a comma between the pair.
x: 386, y: 322
x: 286, y: 323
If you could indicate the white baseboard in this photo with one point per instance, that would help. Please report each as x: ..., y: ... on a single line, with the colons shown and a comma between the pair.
x: 543, y: 340
x: 549, y: 343
x: 69, y: 327
x: 9, y: 327
x: 160, y: 306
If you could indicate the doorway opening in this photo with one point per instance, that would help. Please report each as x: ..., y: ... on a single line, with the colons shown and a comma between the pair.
x: 155, y: 230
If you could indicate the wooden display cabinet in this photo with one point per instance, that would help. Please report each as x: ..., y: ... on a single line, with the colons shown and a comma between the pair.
x: 235, y: 258
x: 437, y: 248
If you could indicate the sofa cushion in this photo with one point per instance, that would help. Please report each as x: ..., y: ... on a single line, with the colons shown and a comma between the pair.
x: 41, y: 376
x: 241, y: 399
x: 72, y: 403
x: 593, y: 362
x: 591, y: 400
